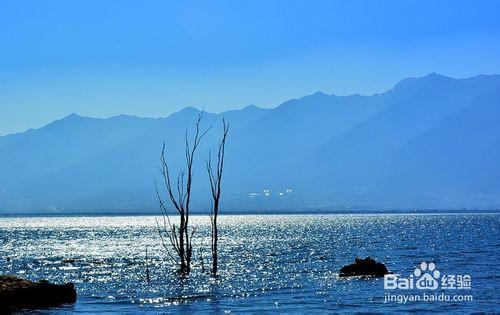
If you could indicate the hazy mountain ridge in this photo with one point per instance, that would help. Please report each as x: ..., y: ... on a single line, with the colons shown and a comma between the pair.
x: 63, y: 142
x: 463, y: 149
x: 387, y: 150
x: 361, y: 151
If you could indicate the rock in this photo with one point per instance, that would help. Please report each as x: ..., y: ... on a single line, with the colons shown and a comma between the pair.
x: 364, y: 267
x: 17, y: 293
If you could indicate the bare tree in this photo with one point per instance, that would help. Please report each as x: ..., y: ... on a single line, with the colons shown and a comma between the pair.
x: 173, y: 236
x: 215, y: 177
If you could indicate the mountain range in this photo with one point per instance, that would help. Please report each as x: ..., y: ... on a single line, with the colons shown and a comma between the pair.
x: 428, y: 143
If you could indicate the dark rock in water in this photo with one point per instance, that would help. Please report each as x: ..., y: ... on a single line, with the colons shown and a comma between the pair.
x: 17, y: 293
x: 364, y: 267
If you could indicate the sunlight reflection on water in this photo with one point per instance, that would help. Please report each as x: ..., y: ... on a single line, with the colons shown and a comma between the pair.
x: 268, y: 262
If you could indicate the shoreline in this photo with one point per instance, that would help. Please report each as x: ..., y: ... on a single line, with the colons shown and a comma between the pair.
x: 257, y: 213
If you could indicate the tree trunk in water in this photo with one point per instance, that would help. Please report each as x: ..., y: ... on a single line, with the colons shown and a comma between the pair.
x: 215, y: 177
x: 183, y: 270
x: 214, y: 245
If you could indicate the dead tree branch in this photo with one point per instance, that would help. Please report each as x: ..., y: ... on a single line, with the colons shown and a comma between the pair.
x: 179, y: 194
x: 215, y: 179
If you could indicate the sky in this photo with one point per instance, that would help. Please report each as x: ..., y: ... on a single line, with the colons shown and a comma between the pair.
x: 152, y: 58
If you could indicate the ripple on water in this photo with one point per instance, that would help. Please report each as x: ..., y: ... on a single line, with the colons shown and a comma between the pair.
x: 268, y: 262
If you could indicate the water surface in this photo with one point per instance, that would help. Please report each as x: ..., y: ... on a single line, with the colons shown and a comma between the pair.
x: 267, y: 262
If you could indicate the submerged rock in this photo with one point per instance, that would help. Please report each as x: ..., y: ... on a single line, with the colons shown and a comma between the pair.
x: 17, y: 293
x: 364, y: 267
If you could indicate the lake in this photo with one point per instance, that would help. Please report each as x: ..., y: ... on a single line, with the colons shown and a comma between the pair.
x: 268, y: 263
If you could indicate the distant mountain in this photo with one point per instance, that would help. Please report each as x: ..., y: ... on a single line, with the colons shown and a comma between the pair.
x: 41, y: 151
x: 357, y: 159
x: 429, y: 142
x: 360, y: 151
x: 457, y: 159
x: 287, y: 134
x: 118, y: 175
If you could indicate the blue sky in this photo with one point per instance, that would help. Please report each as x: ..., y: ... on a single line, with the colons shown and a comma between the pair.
x: 151, y: 58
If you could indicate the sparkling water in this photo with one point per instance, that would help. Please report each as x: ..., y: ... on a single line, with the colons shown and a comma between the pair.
x: 267, y: 262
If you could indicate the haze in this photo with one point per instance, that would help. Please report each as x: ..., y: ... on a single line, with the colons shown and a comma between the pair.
x: 105, y: 58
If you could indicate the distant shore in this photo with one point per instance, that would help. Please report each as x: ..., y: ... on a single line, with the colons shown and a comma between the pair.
x: 263, y: 212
